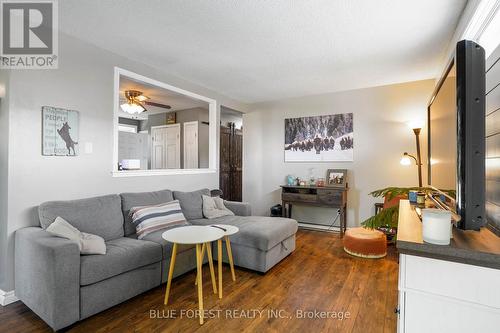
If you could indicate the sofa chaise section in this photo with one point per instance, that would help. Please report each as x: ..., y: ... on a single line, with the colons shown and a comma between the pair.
x: 261, y: 242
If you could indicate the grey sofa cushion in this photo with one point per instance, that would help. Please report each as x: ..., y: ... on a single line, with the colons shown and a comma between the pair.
x: 122, y: 255
x: 166, y: 246
x: 101, y: 216
x: 192, y: 203
x: 100, y: 296
x: 130, y: 200
x: 258, y: 232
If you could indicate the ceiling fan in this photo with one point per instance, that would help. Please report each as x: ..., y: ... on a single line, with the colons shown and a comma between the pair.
x: 136, y: 101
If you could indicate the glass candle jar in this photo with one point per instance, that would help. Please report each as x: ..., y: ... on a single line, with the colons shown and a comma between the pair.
x: 436, y: 226
x: 421, y: 198
x: 412, y: 196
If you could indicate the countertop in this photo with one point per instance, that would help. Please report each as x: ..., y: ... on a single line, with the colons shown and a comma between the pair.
x: 479, y: 248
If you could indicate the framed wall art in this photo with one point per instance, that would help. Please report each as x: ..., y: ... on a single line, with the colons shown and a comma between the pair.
x: 60, y: 129
x: 327, y: 138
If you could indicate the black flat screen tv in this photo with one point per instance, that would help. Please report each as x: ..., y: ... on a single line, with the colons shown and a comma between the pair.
x: 456, y: 134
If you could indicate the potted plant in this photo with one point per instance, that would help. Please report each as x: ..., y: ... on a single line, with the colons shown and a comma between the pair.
x: 387, y: 219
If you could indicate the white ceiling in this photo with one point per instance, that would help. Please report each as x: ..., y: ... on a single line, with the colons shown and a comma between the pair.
x: 156, y: 94
x: 160, y: 95
x: 257, y: 50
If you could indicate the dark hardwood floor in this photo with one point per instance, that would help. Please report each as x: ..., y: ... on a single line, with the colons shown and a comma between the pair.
x: 319, y: 275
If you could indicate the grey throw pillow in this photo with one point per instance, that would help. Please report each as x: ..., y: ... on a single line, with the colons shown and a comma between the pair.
x: 213, y: 207
x: 191, y: 203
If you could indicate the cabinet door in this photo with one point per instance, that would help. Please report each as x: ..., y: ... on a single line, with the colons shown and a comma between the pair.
x: 436, y: 314
x: 158, y: 147
x: 173, y: 146
x: 191, y: 145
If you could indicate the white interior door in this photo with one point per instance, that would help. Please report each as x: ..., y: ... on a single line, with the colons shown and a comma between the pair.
x: 158, y: 147
x: 191, y: 145
x: 173, y: 146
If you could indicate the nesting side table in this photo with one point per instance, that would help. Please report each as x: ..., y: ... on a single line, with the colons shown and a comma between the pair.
x: 228, y: 231
x: 198, y: 235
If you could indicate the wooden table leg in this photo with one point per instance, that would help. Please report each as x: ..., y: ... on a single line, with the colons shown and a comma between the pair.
x: 170, y: 272
x: 211, y: 264
x: 199, y: 260
x: 202, y: 257
x: 219, y: 263
x: 230, y: 256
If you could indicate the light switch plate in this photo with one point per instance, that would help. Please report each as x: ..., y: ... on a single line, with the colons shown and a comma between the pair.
x: 88, y: 147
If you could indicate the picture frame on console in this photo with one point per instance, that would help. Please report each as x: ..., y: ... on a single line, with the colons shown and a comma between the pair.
x: 336, y: 178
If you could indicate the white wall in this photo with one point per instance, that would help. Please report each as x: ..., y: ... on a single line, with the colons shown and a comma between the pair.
x: 230, y: 116
x: 83, y: 82
x: 4, y: 140
x: 381, y: 135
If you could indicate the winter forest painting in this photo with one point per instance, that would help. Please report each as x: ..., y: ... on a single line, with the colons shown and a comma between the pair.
x: 319, y: 138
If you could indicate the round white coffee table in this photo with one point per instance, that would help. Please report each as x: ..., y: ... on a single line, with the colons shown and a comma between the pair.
x: 198, y: 235
x: 228, y: 231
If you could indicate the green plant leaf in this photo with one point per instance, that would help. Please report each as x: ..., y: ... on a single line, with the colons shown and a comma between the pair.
x: 392, y: 192
x: 387, y: 217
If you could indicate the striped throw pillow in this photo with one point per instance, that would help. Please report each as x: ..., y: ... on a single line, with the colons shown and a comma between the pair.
x: 148, y: 219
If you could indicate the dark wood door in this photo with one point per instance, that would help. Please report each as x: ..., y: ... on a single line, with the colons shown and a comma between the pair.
x: 231, y: 153
x: 236, y: 165
x: 225, y: 162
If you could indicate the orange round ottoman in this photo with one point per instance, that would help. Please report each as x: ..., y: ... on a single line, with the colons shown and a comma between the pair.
x: 365, y: 243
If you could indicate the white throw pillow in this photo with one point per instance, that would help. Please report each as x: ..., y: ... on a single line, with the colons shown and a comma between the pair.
x: 60, y: 227
x: 213, y: 207
x: 92, y: 244
x: 87, y: 243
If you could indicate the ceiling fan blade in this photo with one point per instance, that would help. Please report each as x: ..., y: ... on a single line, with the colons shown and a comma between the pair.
x: 142, y: 105
x: 158, y: 105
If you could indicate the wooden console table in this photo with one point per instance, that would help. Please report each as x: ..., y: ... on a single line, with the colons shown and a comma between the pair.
x: 331, y: 197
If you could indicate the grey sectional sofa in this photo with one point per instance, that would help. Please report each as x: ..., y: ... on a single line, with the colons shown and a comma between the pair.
x: 63, y: 287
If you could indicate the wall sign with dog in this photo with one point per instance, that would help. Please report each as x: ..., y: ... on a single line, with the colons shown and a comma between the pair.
x: 59, y: 131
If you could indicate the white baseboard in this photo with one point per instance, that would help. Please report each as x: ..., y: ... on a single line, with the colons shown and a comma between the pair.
x: 7, y: 297
x: 319, y: 227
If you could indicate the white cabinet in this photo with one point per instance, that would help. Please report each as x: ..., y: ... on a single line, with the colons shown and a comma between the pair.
x: 443, y: 296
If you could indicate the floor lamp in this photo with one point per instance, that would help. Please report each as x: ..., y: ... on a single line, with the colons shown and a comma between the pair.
x: 405, y: 160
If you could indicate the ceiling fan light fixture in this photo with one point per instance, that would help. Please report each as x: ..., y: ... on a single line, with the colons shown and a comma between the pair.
x: 132, y: 108
x: 141, y: 98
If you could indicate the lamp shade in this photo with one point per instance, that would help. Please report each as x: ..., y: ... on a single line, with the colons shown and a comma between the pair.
x: 415, y: 123
x: 132, y: 108
x: 405, y: 160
